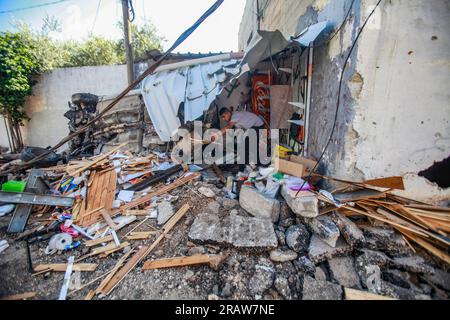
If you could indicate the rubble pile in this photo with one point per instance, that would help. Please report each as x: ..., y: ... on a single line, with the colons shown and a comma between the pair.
x: 125, y: 225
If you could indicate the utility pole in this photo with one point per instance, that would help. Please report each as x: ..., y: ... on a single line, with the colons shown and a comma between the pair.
x: 127, y: 39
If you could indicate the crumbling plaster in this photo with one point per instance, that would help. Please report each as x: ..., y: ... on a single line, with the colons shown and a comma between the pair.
x: 402, y: 110
x: 393, y: 117
x: 49, y: 101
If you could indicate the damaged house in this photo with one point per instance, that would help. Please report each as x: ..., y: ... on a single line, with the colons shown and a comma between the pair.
x: 355, y: 204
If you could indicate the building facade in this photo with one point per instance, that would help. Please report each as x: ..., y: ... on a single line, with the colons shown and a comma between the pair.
x: 394, y: 112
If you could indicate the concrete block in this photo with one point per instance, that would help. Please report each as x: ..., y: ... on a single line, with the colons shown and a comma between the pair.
x: 305, y: 205
x: 258, y: 204
x: 325, y: 228
x: 321, y: 290
x: 319, y: 251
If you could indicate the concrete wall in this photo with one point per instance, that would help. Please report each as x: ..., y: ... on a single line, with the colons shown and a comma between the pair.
x: 395, y: 107
x: 47, y: 105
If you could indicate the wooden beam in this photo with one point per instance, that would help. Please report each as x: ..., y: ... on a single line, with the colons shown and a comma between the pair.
x: 389, y: 182
x: 353, y: 294
x: 91, y: 243
x: 158, y: 192
x: 144, y: 251
x: 20, y: 296
x: 96, y: 160
x: 213, y: 260
x: 61, y: 267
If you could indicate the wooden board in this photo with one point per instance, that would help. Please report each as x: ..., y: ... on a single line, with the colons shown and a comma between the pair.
x: 389, y: 182
x: 358, y: 195
x: 61, y: 267
x: 91, y: 243
x: 212, y: 260
x: 100, y: 195
x: 20, y: 296
x: 158, y: 192
x: 144, y: 251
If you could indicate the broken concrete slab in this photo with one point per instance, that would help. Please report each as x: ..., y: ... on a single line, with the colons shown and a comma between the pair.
x: 297, y: 238
x: 282, y: 285
x: 235, y: 230
x: 305, y: 204
x: 343, y: 271
x: 258, y: 204
x: 279, y: 255
x: 369, y: 265
x: 415, y: 264
x: 165, y: 212
x: 319, y: 251
x: 349, y: 230
x: 325, y: 228
x: 387, y: 240
x: 321, y: 290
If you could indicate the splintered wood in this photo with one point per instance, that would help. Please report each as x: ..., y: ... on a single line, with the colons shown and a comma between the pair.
x: 100, y: 195
x: 144, y: 251
x: 213, y: 260
x: 428, y: 226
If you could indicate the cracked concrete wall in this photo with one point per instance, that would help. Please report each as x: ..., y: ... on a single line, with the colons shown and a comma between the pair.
x: 48, y: 103
x: 402, y: 110
x: 394, y: 111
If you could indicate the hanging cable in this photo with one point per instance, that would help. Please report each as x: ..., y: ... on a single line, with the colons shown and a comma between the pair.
x: 96, y: 15
x: 339, y: 96
x: 32, y: 7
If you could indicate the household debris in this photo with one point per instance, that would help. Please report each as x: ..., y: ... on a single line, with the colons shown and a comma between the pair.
x: 264, y: 236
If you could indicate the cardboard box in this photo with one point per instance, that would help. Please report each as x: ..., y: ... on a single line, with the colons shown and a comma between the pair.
x: 294, y: 165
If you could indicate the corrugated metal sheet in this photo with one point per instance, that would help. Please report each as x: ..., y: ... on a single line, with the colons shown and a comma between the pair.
x: 194, y: 85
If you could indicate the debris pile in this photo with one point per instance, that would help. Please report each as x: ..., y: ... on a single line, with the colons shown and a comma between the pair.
x: 213, y: 232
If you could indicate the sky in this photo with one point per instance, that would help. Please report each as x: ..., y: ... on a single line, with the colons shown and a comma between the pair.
x: 218, y: 33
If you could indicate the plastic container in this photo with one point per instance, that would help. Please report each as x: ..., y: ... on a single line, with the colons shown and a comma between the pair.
x: 14, y: 186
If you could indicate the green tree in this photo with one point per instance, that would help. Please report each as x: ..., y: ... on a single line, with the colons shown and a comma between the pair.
x: 94, y: 51
x: 18, y: 67
x: 144, y: 38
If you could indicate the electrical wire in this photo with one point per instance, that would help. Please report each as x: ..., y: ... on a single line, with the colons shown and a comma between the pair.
x: 339, y: 96
x: 96, y: 15
x: 35, y: 6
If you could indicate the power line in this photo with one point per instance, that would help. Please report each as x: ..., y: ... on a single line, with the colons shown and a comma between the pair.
x: 96, y: 15
x: 339, y: 95
x: 32, y: 7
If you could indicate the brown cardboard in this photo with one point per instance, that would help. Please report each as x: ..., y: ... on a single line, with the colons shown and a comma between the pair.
x: 294, y: 165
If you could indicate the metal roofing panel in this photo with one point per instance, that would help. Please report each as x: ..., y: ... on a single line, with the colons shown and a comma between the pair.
x: 196, y: 85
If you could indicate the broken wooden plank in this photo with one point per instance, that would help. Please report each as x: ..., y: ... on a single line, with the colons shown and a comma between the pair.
x: 426, y: 245
x: 144, y: 251
x: 100, y: 197
x: 20, y: 296
x: 388, y: 182
x: 91, y: 243
x: 61, y: 267
x: 108, y: 219
x: 96, y: 160
x: 140, y: 235
x: 213, y: 260
x: 105, y: 281
x: 358, y: 195
x: 353, y: 294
